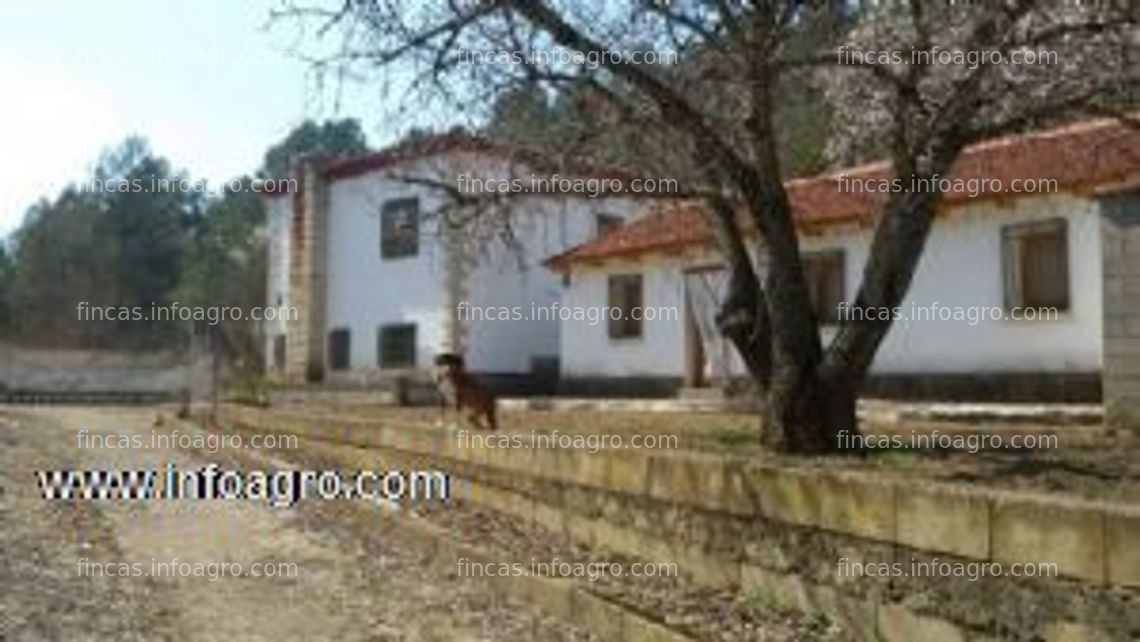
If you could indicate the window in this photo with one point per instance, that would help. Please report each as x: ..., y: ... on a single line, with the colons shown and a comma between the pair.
x: 279, y: 352
x: 606, y: 223
x: 625, y: 295
x: 397, y: 346
x: 400, y: 228
x: 824, y: 275
x: 1035, y: 262
x: 338, y: 349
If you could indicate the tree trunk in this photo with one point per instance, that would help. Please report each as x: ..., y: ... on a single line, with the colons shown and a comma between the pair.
x: 804, y: 413
x: 806, y: 405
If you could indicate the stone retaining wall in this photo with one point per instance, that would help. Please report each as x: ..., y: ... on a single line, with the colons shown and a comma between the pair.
x: 778, y: 532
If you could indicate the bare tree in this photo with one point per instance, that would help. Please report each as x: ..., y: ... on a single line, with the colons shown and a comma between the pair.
x: 713, y: 114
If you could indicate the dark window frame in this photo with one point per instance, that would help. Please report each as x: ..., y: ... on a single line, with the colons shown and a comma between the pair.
x: 1022, y: 248
x: 384, y: 358
x: 397, y: 243
x: 606, y: 224
x: 340, y: 356
x: 625, y: 292
x: 825, y: 275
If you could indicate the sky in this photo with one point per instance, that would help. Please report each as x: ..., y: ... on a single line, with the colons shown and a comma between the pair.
x: 209, y: 83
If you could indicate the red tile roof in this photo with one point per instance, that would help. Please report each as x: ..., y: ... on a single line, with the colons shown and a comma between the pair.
x: 456, y: 142
x: 415, y: 149
x: 1079, y: 157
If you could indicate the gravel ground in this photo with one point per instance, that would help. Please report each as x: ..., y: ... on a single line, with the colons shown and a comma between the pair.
x: 351, y: 583
x: 42, y: 598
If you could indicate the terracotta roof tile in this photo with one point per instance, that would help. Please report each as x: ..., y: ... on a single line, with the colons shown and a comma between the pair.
x: 1079, y: 157
x: 456, y: 142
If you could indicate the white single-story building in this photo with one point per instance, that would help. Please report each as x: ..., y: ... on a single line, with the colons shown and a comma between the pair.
x: 1029, y: 283
x: 384, y: 276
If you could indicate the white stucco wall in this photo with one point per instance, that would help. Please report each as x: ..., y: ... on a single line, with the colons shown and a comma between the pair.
x: 587, y: 349
x: 365, y: 291
x: 522, y: 284
x: 961, y: 266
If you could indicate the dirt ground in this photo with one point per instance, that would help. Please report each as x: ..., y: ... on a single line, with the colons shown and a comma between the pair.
x: 356, y: 580
x: 346, y: 586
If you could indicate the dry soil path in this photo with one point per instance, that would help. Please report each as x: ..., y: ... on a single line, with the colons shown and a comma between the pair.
x: 344, y: 588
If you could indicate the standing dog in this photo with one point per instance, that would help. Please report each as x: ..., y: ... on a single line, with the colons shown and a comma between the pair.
x: 458, y: 386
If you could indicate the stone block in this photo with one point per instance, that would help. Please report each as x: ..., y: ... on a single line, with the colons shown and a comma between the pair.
x: 899, y: 624
x: 706, y: 569
x: 552, y: 595
x: 944, y: 519
x: 451, y: 446
x: 738, y: 496
x: 788, y: 495
x: 1033, y: 530
x: 858, y: 505
x: 616, y: 539
x: 546, y: 463
x: 1123, y: 545
x: 599, y: 616
x: 584, y: 468
x: 639, y: 629
x: 1073, y: 632
x: 628, y: 472
x: 692, y: 479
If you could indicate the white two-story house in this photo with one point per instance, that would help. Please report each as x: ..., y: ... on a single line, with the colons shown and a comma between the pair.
x: 386, y: 268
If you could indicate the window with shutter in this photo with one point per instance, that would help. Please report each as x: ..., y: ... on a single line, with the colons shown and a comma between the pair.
x: 625, y: 296
x: 400, y: 228
x: 824, y: 275
x: 1035, y: 259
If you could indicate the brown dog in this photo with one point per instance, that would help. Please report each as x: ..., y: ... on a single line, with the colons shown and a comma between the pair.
x: 458, y: 386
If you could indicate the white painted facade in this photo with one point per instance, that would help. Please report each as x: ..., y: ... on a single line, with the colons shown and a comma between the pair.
x: 960, y: 267
x: 365, y: 291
